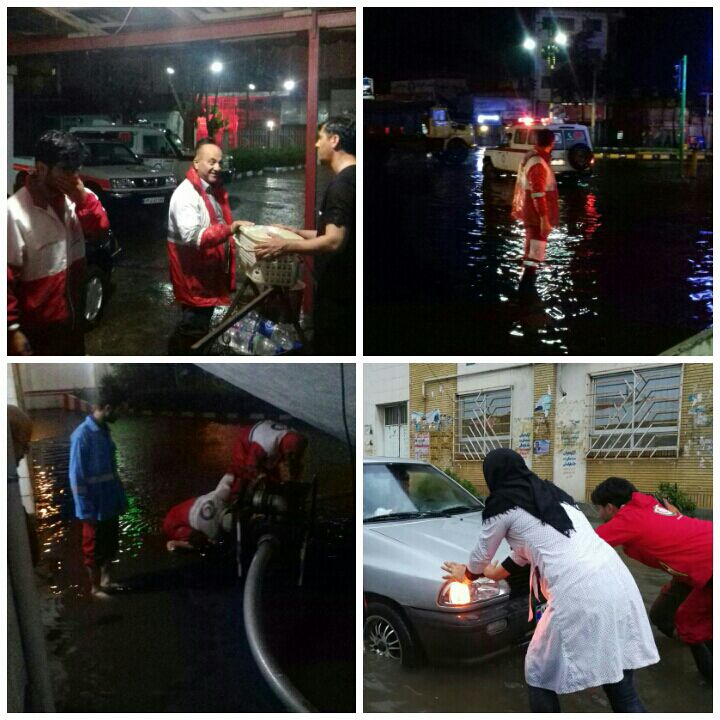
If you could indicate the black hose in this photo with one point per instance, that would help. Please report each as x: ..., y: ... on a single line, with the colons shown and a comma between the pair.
x: 252, y: 597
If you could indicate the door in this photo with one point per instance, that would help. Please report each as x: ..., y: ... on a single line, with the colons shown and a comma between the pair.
x: 395, y: 431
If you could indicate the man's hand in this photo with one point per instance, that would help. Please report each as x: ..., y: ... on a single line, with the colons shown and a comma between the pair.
x: 456, y: 571
x: 73, y: 187
x: 545, y: 227
x: 19, y: 344
x: 271, y: 248
x: 237, y: 224
x: 669, y: 506
x: 495, y: 571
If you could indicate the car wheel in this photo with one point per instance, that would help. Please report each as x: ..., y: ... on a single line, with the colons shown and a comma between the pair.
x: 386, y: 634
x: 488, y: 168
x: 93, y: 295
x: 456, y: 151
x: 579, y: 157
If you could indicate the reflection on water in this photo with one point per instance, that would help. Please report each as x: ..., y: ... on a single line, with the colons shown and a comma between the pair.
x: 628, y: 267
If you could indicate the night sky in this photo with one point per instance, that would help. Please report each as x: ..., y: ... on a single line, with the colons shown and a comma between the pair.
x: 483, y: 45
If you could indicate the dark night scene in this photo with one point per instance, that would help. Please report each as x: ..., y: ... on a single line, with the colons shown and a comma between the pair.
x: 181, y: 538
x: 538, y: 181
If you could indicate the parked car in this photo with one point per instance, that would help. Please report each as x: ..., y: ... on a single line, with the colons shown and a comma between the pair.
x: 120, y: 179
x: 414, y: 518
x: 572, y: 153
x: 159, y: 149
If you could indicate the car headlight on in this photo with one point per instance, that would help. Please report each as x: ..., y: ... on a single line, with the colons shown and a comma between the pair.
x: 121, y: 183
x: 170, y: 181
x: 462, y: 595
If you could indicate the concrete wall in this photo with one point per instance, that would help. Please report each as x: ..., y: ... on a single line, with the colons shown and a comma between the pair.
x: 44, y: 384
x: 383, y: 384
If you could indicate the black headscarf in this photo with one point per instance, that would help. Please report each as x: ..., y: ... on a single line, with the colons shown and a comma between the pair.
x: 513, y: 484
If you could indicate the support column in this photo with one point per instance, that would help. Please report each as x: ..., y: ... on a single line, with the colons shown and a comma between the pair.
x: 545, y: 383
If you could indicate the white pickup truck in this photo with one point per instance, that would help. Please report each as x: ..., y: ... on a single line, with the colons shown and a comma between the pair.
x: 571, y: 154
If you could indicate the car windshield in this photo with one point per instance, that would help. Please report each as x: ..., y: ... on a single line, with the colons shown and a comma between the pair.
x: 412, y: 490
x: 105, y: 153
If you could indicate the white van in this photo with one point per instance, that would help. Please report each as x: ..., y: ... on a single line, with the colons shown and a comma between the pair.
x: 571, y: 154
x: 159, y: 149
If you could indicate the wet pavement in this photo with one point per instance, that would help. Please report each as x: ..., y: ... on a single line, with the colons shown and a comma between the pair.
x: 629, y: 269
x: 140, y: 314
x: 173, y: 640
x: 498, y: 685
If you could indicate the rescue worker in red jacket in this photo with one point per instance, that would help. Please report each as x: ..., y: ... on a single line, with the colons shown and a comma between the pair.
x: 535, y: 201
x: 201, y: 249
x: 658, y: 535
x: 200, y: 521
x: 267, y: 449
x: 49, y: 220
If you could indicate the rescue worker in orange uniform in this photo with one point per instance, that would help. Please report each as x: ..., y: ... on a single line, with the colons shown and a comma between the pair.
x: 535, y: 201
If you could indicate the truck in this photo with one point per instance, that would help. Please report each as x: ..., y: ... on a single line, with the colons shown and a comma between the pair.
x: 415, y: 125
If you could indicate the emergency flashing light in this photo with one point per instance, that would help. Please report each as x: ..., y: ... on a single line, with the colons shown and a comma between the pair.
x: 459, y: 593
x: 526, y: 120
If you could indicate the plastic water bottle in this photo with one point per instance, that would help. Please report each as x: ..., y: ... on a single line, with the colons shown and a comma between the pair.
x: 242, y: 332
x: 283, y: 335
x: 264, y: 346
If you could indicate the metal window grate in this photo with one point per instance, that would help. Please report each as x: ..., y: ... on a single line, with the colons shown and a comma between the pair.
x: 635, y: 413
x: 483, y: 424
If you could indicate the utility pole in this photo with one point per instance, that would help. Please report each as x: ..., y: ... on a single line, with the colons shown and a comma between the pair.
x: 682, y: 87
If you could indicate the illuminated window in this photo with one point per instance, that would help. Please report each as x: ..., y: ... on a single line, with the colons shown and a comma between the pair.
x: 483, y: 423
x: 636, y: 413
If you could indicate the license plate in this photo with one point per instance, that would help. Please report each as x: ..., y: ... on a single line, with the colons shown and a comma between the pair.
x: 153, y: 201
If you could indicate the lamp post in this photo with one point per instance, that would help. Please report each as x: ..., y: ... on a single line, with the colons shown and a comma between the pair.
x: 216, y: 68
x: 170, y: 72
x: 549, y: 52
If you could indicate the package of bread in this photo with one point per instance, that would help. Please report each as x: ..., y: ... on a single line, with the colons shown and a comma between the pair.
x: 284, y: 270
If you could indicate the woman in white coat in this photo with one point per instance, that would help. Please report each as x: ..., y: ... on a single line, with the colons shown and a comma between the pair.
x: 594, y: 630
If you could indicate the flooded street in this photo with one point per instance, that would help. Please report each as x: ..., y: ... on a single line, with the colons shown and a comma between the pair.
x: 141, y: 315
x: 173, y: 640
x: 498, y: 685
x: 629, y: 268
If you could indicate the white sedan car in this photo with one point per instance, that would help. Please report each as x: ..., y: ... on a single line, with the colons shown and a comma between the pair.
x: 414, y: 518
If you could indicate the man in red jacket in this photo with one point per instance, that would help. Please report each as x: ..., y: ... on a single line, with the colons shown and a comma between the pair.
x: 655, y: 535
x: 49, y: 220
x: 535, y: 201
x: 267, y: 449
x: 201, y: 249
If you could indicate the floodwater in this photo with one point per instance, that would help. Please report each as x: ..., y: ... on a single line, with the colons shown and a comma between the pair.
x: 173, y: 640
x: 498, y: 685
x: 629, y: 268
x: 141, y: 314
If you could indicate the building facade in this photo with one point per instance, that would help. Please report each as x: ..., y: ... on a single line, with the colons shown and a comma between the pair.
x: 575, y: 424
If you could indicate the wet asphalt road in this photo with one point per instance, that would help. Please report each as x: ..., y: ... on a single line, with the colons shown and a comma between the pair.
x: 498, y: 685
x: 141, y: 315
x: 174, y: 640
x: 629, y: 268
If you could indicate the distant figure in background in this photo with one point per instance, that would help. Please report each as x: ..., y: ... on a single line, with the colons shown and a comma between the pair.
x: 199, y: 521
x: 535, y: 201
x: 660, y: 536
x: 97, y: 491
x: 333, y: 242
x: 266, y: 450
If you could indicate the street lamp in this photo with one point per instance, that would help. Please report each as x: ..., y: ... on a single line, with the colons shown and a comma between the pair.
x: 251, y: 86
x: 561, y: 38
x: 549, y: 52
x: 529, y: 44
x: 170, y: 71
x: 270, y: 124
x: 216, y: 67
x: 289, y: 85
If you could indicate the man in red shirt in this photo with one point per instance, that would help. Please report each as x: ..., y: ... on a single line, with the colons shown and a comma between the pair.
x: 49, y: 221
x: 535, y: 201
x: 267, y: 449
x: 653, y: 534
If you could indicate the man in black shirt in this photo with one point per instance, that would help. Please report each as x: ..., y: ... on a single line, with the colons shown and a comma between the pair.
x: 333, y: 242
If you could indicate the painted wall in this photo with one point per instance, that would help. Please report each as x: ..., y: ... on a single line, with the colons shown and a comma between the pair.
x: 43, y: 384
x: 383, y: 384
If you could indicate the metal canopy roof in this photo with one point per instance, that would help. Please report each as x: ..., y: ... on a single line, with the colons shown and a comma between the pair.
x: 312, y: 392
